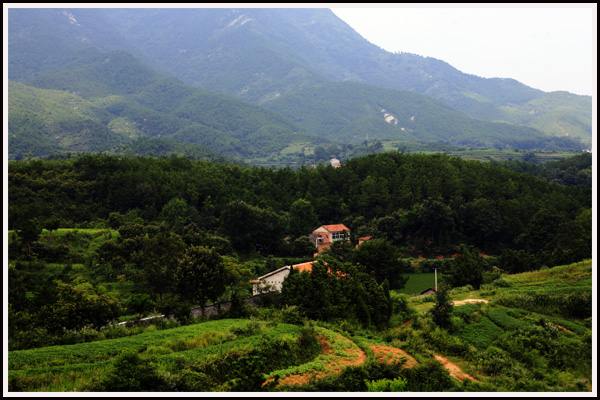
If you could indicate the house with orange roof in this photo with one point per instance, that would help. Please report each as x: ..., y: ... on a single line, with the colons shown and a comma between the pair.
x: 325, y: 235
x: 273, y: 281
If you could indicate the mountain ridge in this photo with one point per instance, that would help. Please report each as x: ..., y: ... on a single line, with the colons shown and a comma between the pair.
x: 244, y: 57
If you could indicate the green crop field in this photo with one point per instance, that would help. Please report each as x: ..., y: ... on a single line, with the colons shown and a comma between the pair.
x: 64, y: 368
x: 419, y: 282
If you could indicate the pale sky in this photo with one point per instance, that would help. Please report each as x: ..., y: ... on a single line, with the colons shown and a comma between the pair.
x: 548, y: 47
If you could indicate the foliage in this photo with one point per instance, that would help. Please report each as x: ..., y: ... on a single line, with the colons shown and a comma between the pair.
x: 338, y: 291
x: 386, y: 385
x: 382, y: 260
x: 131, y: 373
x: 443, y: 307
x: 249, y: 205
x: 466, y: 268
x: 200, y: 275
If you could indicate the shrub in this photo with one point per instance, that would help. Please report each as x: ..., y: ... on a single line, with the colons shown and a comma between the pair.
x: 249, y: 373
x: 430, y: 376
x: 442, y: 309
x: 248, y: 329
x: 386, y: 385
x: 131, y: 373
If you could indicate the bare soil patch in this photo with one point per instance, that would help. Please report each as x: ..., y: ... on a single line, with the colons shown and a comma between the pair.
x: 390, y: 355
x: 454, y: 369
x: 465, y: 301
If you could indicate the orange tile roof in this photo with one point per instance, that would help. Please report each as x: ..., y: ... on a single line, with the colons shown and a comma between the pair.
x: 308, y: 268
x: 304, y: 266
x: 336, y: 228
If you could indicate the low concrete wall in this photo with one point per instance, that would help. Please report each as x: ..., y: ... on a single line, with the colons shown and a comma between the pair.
x: 216, y: 308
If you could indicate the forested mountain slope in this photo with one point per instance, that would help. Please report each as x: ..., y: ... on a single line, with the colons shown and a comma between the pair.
x: 303, y: 46
x: 261, y: 54
x: 427, y: 204
x: 122, y: 99
x: 353, y: 112
x: 125, y: 99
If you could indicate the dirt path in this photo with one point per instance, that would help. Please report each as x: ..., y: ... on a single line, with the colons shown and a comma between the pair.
x: 355, y: 356
x: 454, y: 369
x: 461, y: 302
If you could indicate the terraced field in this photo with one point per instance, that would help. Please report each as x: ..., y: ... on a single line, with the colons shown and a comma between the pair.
x: 491, y: 344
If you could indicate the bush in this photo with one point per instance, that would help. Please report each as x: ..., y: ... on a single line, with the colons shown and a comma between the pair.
x: 386, y: 385
x: 430, y: 376
x: 131, y: 373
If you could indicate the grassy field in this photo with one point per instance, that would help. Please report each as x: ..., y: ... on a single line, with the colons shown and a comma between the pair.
x: 419, y: 282
x: 72, y: 367
x: 480, y: 154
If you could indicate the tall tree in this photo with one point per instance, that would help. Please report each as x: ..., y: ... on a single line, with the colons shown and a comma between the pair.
x: 467, y: 268
x: 382, y: 260
x: 442, y: 309
x: 303, y: 219
x: 201, y: 275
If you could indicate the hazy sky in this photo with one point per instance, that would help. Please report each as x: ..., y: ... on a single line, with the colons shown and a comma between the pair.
x: 548, y: 47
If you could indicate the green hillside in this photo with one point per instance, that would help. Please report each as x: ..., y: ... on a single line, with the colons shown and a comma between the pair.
x: 352, y: 112
x: 123, y: 99
x: 260, y: 55
x: 515, y: 334
x: 48, y: 121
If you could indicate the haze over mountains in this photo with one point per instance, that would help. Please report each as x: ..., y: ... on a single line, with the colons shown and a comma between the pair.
x: 251, y: 82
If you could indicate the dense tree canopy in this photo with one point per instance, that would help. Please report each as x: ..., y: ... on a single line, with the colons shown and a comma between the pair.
x: 421, y: 204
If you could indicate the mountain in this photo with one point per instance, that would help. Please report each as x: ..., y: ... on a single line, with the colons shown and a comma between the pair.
x: 312, y: 79
x: 259, y: 54
x: 353, y: 112
x: 44, y: 40
x: 121, y: 99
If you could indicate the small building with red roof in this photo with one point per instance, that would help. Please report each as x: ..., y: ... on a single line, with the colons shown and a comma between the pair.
x: 325, y: 235
x: 273, y: 281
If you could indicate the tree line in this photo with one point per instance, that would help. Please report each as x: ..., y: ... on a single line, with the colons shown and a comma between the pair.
x: 422, y: 204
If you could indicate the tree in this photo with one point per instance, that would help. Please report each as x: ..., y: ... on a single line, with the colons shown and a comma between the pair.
x: 303, y: 219
x: 52, y: 224
x: 436, y: 218
x: 302, y: 247
x: 467, y: 268
x: 340, y: 250
x: 131, y: 373
x: 201, y: 275
x: 175, y: 213
x: 442, y: 309
x: 238, y: 277
x: 30, y: 232
x: 517, y: 261
x: 140, y: 304
x: 382, y: 260
x: 80, y: 305
x: 252, y: 228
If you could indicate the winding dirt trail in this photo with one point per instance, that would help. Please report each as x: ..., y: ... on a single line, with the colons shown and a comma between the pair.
x: 353, y: 356
x: 465, y: 301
